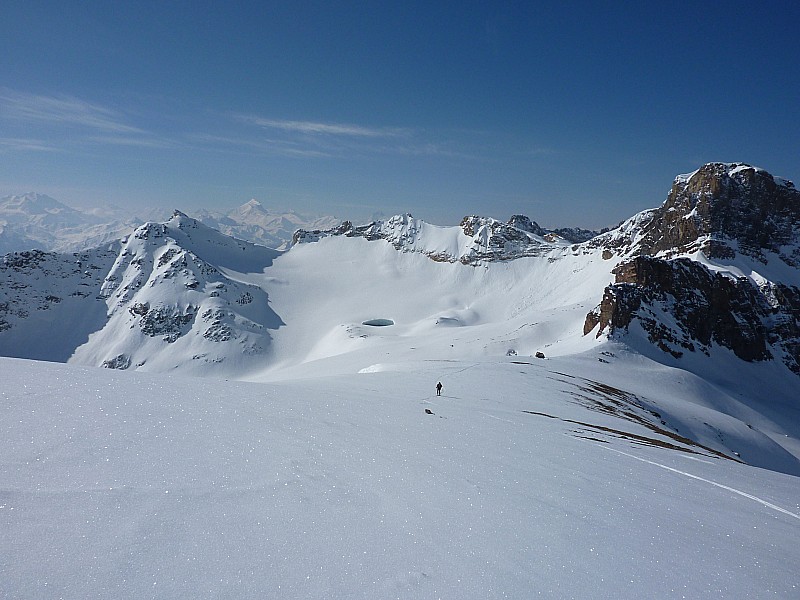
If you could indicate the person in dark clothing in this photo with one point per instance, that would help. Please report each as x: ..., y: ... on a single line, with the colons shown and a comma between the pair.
x: 439, y: 389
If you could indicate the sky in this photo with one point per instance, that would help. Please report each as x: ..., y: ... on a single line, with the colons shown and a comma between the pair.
x: 573, y: 113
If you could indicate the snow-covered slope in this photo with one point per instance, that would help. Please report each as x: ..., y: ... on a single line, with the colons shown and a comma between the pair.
x: 525, y: 481
x: 49, y: 303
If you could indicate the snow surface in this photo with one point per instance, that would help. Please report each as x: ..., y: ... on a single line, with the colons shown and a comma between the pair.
x: 134, y: 485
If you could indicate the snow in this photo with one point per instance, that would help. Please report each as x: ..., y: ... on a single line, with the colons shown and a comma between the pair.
x: 136, y: 485
x: 685, y: 177
x: 738, y: 168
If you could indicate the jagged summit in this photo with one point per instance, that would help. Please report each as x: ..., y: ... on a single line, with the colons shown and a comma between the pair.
x: 720, y: 209
x: 475, y: 240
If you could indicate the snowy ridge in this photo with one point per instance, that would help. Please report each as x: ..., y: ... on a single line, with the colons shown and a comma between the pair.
x: 476, y: 240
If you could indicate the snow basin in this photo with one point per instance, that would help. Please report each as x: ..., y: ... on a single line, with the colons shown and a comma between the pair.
x: 378, y: 322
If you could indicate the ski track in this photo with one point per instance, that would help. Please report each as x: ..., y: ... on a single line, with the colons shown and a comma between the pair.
x: 498, y: 418
x: 719, y: 485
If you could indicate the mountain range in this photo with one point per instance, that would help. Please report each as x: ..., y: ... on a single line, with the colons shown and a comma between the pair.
x: 36, y: 221
x: 619, y: 415
x: 707, y: 282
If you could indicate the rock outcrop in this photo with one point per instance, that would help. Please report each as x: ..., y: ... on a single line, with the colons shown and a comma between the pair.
x: 703, y: 309
x: 726, y: 215
x: 719, y: 210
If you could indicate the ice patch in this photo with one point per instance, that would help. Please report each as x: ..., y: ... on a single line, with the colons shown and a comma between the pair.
x: 378, y: 322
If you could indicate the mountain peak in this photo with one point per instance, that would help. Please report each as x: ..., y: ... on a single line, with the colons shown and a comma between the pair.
x: 720, y: 209
x: 739, y: 171
x: 33, y: 203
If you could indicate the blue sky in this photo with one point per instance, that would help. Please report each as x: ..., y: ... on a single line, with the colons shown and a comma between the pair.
x: 573, y: 113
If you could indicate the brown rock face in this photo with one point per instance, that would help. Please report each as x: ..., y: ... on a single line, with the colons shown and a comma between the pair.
x: 703, y: 308
x: 736, y: 205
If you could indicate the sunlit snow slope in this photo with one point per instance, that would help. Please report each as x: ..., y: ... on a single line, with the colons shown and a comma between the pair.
x: 525, y: 479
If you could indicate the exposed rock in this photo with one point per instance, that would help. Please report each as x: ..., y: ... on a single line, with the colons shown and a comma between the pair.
x: 682, y: 306
x: 121, y: 361
x: 525, y: 224
x: 720, y: 209
x: 167, y: 321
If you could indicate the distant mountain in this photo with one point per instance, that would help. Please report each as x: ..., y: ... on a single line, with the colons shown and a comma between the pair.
x: 255, y: 223
x: 36, y: 221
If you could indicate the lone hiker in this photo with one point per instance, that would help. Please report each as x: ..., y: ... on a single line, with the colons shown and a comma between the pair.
x: 439, y: 389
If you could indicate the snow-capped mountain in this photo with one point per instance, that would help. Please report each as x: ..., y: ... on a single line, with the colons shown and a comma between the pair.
x: 148, y: 299
x: 253, y: 222
x: 38, y: 222
x: 183, y: 297
x: 35, y: 221
x: 714, y: 267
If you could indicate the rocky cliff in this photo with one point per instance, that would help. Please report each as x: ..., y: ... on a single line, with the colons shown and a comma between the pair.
x: 716, y: 264
x: 720, y: 210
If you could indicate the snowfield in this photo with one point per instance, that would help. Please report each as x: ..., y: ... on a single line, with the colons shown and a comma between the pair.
x: 137, y: 485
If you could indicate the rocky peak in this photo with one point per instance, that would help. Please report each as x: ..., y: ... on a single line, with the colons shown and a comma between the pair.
x: 525, y: 224
x: 725, y: 208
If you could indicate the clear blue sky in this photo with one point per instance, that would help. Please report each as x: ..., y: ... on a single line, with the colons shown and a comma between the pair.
x: 574, y: 113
